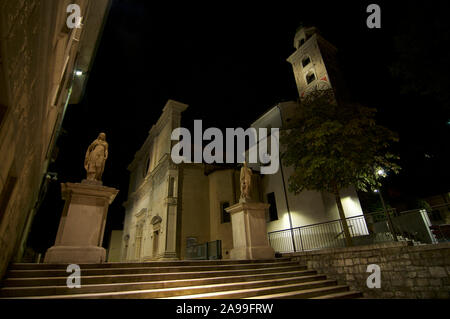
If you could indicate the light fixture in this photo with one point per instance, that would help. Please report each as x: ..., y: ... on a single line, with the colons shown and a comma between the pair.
x: 381, y: 172
x: 78, y: 73
x: 375, y: 191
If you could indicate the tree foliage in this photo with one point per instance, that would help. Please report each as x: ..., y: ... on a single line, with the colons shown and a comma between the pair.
x: 332, y: 146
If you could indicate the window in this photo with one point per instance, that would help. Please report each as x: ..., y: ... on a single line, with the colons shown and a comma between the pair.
x: 310, y: 76
x: 305, y: 61
x: 226, y: 217
x: 146, y: 168
x: 273, y: 213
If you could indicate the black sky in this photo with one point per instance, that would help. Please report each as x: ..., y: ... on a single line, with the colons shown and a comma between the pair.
x: 228, y: 62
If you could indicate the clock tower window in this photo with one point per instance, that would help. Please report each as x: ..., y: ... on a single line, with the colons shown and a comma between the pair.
x: 310, y: 76
x: 305, y: 61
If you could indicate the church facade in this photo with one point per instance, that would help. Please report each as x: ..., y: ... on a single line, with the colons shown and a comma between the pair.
x: 171, y: 205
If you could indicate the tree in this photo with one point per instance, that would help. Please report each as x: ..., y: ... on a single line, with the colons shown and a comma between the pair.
x: 333, y: 145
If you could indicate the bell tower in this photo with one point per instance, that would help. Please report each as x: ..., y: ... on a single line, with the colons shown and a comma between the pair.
x: 314, y: 62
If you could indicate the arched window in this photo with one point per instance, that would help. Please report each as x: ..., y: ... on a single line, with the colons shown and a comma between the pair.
x: 146, y: 167
x: 305, y: 61
x: 310, y: 76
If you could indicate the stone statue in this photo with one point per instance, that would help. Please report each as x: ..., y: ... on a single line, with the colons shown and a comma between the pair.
x: 96, y: 155
x: 246, y: 182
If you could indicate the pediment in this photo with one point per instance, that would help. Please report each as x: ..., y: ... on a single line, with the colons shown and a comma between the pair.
x: 156, y: 219
x: 141, y: 212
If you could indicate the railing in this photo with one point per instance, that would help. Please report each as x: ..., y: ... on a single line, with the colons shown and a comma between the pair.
x: 205, y: 251
x: 439, y: 217
x: 316, y: 236
x: 415, y: 225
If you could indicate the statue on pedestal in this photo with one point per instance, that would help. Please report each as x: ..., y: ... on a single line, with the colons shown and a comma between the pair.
x: 248, y: 223
x: 96, y: 155
x: 246, y: 182
x: 82, y: 225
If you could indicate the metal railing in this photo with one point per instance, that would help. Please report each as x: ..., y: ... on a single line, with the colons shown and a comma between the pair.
x: 317, y: 236
x: 420, y: 226
x: 439, y: 217
x: 205, y: 251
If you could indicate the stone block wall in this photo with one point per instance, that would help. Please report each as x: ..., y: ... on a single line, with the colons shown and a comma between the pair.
x: 407, y: 271
x: 37, y: 60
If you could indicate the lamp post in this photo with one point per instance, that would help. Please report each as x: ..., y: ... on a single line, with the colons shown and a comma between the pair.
x: 382, y: 173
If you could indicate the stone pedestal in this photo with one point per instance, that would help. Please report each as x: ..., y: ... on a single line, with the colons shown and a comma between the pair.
x: 80, y: 233
x: 250, y: 241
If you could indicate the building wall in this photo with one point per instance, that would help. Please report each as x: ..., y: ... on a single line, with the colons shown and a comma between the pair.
x: 406, y: 271
x: 38, y: 55
x: 150, y: 228
x: 202, y: 199
x: 195, y: 206
x: 350, y: 203
x: 114, y: 248
x: 222, y: 188
x: 308, y: 207
x: 305, y: 208
x: 147, y: 205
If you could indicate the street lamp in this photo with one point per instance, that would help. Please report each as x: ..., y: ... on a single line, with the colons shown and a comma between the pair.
x: 382, y: 173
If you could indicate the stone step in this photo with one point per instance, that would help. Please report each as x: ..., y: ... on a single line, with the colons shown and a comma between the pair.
x: 275, y: 278
x: 109, y: 279
x: 263, y: 292
x: 284, y: 283
x: 305, y: 293
x: 298, y: 276
x: 41, y: 266
x: 341, y: 295
x: 33, y: 273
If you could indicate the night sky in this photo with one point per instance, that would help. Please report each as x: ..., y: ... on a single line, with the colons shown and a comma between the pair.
x: 228, y: 62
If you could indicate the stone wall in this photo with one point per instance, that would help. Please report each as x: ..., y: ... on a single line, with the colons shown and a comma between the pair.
x: 37, y: 59
x: 406, y: 271
x: 28, y: 70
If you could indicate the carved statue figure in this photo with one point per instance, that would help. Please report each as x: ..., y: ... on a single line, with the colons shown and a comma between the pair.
x: 96, y: 155
x: 246, y: 182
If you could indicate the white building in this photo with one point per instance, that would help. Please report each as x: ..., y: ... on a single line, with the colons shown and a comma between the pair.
x: 172, y: 205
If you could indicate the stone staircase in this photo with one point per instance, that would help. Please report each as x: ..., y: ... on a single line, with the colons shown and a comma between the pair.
x: 215, y: 279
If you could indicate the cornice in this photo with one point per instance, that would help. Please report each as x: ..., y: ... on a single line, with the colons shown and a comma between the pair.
x: 171, y: 109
